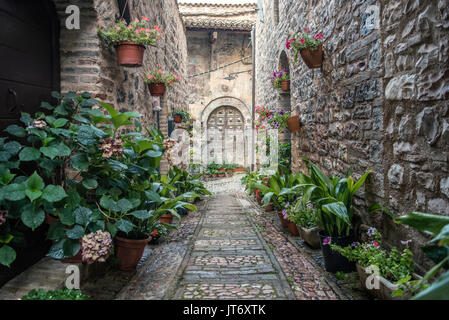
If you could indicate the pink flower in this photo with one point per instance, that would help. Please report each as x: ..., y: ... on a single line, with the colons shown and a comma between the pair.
x: 327, y: 241
x: 157, y: 28
x: 289, y: 43
x: 136, y: 20
x: 129, y: 27
x: 302, y: 41
x: 319, y: 36
x: 150, y: 77
x: 376, y: 244
x: 171, y: 83
x: 145, y: 18
x: 160, y: 71
x: 118, y: 28
x: 307, y: 29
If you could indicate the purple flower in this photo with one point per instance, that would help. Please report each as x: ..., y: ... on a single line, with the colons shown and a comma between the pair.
x: 371, y: 231
x: 406, y: 242
x: 287, y: 205
x: 327, y: 241
x: 354, y: 244
x: 281, y: 112
x: 284, y: 213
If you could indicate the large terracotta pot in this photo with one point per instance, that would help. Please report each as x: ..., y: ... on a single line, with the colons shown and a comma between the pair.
x: 313, y: 58
x: 129, y: 252
x: 284, y: 222
x: 269, y: 208
x: 78, y: 258
x: 129, y: 54
x: 157, y: 89
x: 293, y: 124
x: 239, y: 169
x: 285, y: 85
x: 177, y: 118
x: 166, y: 218
x: 293, y: 229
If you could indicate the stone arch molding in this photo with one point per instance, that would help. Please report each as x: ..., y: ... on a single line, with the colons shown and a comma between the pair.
x: 227, y: 101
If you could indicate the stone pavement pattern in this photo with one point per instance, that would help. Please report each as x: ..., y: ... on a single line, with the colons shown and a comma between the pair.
x: 229, y: 260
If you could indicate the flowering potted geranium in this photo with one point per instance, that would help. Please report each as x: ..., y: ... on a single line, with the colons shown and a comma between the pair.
x: 309, y: 47
x: 281, y: 80
x: 278, y: 120
x: 158, y: 81
x: 130, y: 39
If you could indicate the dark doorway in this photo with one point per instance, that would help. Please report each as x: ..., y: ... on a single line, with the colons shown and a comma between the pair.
x: 29, y: 72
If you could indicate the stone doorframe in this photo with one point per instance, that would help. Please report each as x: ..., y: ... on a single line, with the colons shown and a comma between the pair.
x: 227, y: 102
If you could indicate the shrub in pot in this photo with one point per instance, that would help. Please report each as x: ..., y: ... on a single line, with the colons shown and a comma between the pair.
x: 332, y: 198
x: 130, y: 40
x: 306, y: 221
x: 158, y: 81
x: 281, y: 80
x: 310, y: 48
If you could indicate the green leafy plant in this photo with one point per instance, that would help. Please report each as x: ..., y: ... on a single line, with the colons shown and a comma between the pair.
x: 138, y: 31
x: 278, y: 77
x: 437, y: 250
x: 303, y: 215
x: 183, y: 114
x: 58, y: 294
x: 302, y: 41
x: 159, y: 76
x: 332, y: 198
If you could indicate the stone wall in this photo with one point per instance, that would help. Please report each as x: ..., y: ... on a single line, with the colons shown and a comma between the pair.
x: 206, y: 53
x: 380, y: 100
x: 88, y: 65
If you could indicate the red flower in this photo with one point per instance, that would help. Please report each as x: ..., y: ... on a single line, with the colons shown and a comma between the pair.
x: 289, y: 43
x: 145, y: 18
x: 302, y: 41
x: 376, y: 244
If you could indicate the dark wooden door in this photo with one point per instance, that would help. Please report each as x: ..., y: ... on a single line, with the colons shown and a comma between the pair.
x: 29, y: 71
x: 29, y: 56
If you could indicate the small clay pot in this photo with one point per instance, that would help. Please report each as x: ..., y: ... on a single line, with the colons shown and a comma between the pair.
x: 293, y: 124
x: 239, y: 169
x: 166, y: 218
x: 158, y: 90
x: 284, y: 222
x: 269, y: 208
x: 313, y: 58
x: 129, y: 53
x: 293, y: 229
x: 177, y: 118
x: 129, y: 252
x: 285, y: 85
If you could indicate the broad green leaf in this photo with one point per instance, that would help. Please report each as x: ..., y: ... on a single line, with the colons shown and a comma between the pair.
x: 83, y: 216
x: 32, y: 218
x: 14, y: 192
x: 63, y: 150
x: 35, y: 182
x: 67, y: 216
x: 338, y: 209
x: 80, y: 161
x: 425, y: 222
x: 56, y: 251
x: 17, y: 131
x: 141, y: 214
x: 4, y: 156
x: 53, y: 193
x: 50, y: 152
x: 111, y: 228
x: 59, y: 123
x: 6, y: 238
x: 33, y: 195
x: 124, y: 225
x: 12, y: 147
x: 46, y: 105
x: 56, y: 231
x: 109, y: 108
x: 359, y: 183
x: 6, y: 177
x: 90, y: 184
x: 443, y: 237
x: 94, y: 226
x: 29, y: 154
x: 76, y: 232
x: 7, y: 255
x: 125, y: 205
x: 71, y: 247
x: 153, y: 196
x: 438, y: 290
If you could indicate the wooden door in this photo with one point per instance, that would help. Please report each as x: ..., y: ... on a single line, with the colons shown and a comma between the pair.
x: 29, y: 56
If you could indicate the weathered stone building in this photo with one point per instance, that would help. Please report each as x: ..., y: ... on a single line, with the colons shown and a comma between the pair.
x: 218, y: 35
x: 379, y: 101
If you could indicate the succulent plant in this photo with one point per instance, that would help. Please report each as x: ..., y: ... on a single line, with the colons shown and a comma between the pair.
x: 96, y: 246
x: 3, y: 215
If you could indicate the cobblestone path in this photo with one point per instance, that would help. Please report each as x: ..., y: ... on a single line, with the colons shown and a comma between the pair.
x: 229, y: 260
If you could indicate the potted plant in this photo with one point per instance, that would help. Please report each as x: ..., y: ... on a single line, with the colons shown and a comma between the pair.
x: 393, y: 266
x: 159, y: 231
x: 309, y: 47
x: 129, y: 40
x: 333, y: 201
x: 281, y: 80
x: 293, y: 124
x: 283, y: 215
x: 181, y: 116
x: 158, y: 81
x: 306, y: 221
x: 278, y: 120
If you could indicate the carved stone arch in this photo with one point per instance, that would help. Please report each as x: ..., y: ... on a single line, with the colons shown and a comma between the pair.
x: 227, y: 102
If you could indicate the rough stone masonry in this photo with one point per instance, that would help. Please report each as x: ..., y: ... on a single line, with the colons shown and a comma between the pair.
x: 379, y: 101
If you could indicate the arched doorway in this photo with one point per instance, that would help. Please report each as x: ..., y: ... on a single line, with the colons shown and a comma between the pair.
x: 30, y: 71
x: 225, y: 136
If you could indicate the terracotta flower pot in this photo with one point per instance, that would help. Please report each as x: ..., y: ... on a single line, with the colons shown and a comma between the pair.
x: 157, y: 90
x: 129, y: 54
x: 49, y: 219
x: 166, y: 218
x: 284, y: 222
x: 177, y: 118
x: 293, y: 124
x: 313, y: 58
x: 239, y: 169
x: 293, y: 229
x: 129, y: 252
x: 269, y: 208
x: 78, y: 258
x: 285, y: 85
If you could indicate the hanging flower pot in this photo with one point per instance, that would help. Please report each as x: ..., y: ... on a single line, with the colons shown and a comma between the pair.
x: 285, y: 85
x: 177, y: 118
x: 312, y: 58
x: 129, y: 252
x: 157, y: 89
x: 293, y: 124
x: 129, y: 53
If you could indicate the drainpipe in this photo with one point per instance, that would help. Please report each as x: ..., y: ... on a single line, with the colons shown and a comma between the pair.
x: 253, y: 140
